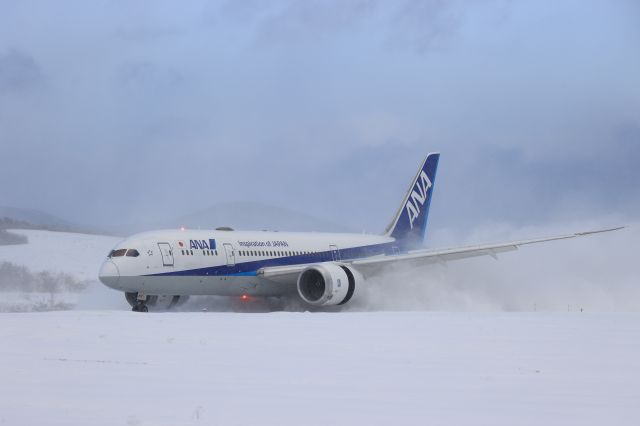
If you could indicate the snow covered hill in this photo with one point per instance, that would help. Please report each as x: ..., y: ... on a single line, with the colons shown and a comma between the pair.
x: 77, y: 255
x: 122, y: 368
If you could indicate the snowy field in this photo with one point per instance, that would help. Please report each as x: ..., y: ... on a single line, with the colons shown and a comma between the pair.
x: 103, y: 365
x: 78, y: 254
x: 122, y: 368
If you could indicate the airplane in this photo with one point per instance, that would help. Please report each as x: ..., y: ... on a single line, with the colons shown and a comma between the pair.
x: 324, y: 269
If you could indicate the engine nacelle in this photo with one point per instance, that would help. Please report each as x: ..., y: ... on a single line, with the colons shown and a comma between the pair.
x: 328, y: 284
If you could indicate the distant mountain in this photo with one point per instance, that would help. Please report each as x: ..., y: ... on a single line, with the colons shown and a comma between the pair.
x: 256, y: 216
x: 19, y: 218
x: 241, y: 216
x: 34, y: 217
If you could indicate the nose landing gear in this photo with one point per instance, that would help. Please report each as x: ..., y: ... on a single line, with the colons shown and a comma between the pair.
x: 143, y: 302
x: 140, y: 302
x: 140, y: 307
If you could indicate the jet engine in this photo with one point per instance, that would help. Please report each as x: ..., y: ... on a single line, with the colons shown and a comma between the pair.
x: 328, y: 284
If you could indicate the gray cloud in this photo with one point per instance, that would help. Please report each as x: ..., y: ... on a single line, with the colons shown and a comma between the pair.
x: 148, y: 78
x: 310, y: 20
x: 424, y: 25
x: 19, y: 72
x: 296, y: 103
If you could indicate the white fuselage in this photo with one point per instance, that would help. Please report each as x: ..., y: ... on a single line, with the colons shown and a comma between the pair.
x: 193, y: 262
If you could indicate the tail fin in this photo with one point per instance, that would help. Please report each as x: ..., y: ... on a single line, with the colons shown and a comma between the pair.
x: 410, y: 222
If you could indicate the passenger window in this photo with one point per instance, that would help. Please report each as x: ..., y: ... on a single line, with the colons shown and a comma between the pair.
x: 132, y: 253
x: 117, y: 253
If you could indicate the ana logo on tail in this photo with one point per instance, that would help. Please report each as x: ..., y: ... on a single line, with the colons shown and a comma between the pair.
x: 418, y: 197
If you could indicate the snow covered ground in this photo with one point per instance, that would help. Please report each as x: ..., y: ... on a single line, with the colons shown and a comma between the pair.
x: 122, y: 368
x: 104, y: 365
x: 78, y: 254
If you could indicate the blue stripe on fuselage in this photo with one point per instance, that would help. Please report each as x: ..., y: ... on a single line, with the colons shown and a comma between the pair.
x: 250, y: 268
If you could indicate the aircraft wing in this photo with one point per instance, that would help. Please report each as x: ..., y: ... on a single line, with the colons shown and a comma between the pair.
x: 371, y: 265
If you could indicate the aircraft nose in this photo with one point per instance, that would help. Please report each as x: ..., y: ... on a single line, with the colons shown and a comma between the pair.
x: 109, y: 274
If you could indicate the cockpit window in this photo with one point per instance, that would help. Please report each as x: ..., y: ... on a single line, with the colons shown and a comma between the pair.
x: 117, y: 253
x: 133, y: 253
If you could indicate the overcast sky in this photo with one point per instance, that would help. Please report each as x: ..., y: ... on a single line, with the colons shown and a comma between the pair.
x: 119, y: 111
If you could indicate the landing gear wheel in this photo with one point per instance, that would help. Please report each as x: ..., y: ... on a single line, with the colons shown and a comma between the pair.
x: 140, y: 307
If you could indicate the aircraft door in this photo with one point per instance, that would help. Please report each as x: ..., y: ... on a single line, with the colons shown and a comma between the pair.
x: 335, y: 253
x: 167, y: 254
x: 230, y: 253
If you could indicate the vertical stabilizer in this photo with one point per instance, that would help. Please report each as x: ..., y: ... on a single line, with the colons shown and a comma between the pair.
x: 410, y: 222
